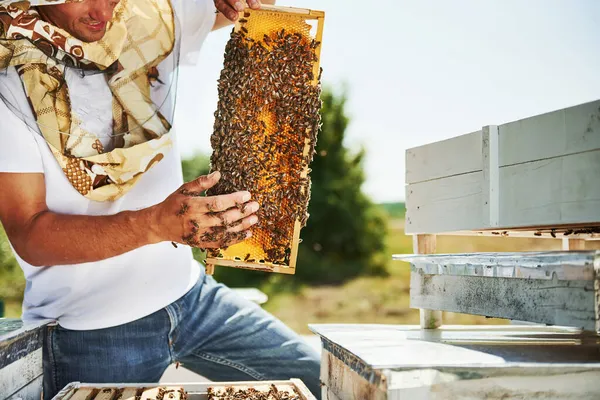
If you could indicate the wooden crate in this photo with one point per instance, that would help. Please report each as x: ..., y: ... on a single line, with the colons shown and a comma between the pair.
x: 21, y: 359
x: 535, y: 177
x: 195, y: 391
x: 458, y: 362
x: 250, y: 254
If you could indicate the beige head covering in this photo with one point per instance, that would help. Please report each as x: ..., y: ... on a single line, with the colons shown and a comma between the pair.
x: 140, y: 36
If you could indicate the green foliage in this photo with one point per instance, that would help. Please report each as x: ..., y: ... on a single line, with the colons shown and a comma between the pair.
x: 394, y: 210
x: 12, y: 282
x: 345, y: 234
x: 195, y: 166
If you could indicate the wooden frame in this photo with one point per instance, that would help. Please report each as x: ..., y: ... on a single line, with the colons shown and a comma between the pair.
x: 238, y: 262
x: 196, y: 391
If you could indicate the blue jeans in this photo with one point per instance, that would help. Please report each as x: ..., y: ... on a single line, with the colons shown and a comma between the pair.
x: 210, y: 330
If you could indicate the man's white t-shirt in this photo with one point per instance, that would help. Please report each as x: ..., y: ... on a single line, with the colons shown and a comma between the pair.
x: 130, y: 286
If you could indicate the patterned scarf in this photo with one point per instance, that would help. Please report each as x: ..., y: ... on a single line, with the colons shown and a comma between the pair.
x: 140, y: 36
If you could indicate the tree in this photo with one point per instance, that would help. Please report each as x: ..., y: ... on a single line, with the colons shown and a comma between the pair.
x: 345, y: 234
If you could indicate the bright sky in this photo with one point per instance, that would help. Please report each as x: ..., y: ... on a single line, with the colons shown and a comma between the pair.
x: 426, y: 70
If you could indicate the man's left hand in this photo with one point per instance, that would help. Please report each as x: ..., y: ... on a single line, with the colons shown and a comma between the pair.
x: 231, y: 8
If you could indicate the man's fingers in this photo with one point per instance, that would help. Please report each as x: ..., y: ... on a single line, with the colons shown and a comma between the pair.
x: 233, y: 215
x: 229, y: 8
x: 245, y: 224
x: 255, y: 4
x: 223, y: 202
x: 201, y: 184
x: 230, y: 241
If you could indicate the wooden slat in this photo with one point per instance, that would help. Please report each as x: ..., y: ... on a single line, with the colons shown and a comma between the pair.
x: 150, y: 393
x: 83, y: 394
x: 107, y: 394
x: 128, y: 394
x: 525, y: 382
x: 425, y: 244
x: 456, y: 156
x: 566, y: 303
x: 20, y: 373
x: 449, y: 204
x: 344, y: 383
x: 32, y: 391
x: 555, y: 134
x: 562, y: 190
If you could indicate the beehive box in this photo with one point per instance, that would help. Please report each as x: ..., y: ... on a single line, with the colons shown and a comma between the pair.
x: 21, y: 359
x: 293, y: 389
x: 536, y: 176
x: 265, y: 131
x: 383, y: 362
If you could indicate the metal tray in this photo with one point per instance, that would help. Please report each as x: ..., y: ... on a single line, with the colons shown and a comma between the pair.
x: 195, y: 391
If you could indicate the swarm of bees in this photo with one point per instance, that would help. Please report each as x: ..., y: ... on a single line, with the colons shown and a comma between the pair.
x: 265, y: 132
x: 252, y: 394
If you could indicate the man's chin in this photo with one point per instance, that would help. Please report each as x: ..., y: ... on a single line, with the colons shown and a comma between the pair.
x: 90, y: 36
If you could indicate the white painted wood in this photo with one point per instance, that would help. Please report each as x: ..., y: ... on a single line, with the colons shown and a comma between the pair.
x: 566, y: 303
x: 449, y: 204
x: 433, y: 384
x: 562, y: 190
x: 33, y: 390
x: 20, y: 373
x: 491, y: 186
x: 555, y: 134
x: 456, y: 156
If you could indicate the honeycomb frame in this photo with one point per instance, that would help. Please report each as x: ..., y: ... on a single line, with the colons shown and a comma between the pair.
x: 229, y: 258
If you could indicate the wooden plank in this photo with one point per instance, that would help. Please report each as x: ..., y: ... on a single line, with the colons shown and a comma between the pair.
x: 449, y: 204
x: 491, y: 186
x: 370, y: 348
x: 562, y: 190
x: 574, y: 231
x: 20, y: 373
x: 567, y: 303
x: 573, y: 244
x: 128, y: 394
x: 344, y: 383
x: 555, y: 134
x: 522, y: 382
x: 109, y: 393
x: 455, y: 156
x: 33, y: 390
x: 83, y: 394
x: 425, y: 244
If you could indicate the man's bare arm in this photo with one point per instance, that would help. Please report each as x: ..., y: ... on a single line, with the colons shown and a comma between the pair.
x: 44, y: 238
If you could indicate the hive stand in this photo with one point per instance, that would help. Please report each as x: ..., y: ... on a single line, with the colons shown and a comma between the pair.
x: 538, y: 177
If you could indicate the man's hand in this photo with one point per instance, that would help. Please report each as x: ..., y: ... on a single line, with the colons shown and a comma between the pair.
x: 206, y: 222
x: 231, y: 8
